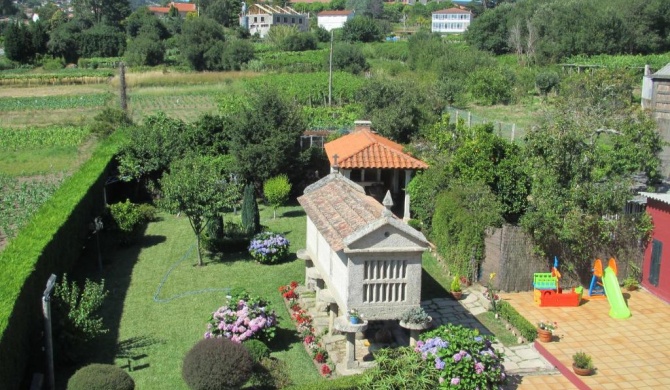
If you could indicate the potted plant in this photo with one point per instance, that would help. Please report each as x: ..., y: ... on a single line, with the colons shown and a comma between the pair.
x: 631, y: 283
x: 582, y: 364
x: 354, y: 316
x: 456, y: 288
x: 545, y: 330
x: 415, y: 318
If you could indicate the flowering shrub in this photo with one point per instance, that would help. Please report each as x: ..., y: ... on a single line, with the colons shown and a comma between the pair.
x: 547, y: 325
x: 243, y: 319
x: 269, y: 248
x: 326, y: 370
x: 464, y: 359
x: 288, y: 291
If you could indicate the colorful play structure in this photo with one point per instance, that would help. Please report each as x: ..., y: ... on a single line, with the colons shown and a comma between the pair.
x: 605, y: 283
x: 548, y: 291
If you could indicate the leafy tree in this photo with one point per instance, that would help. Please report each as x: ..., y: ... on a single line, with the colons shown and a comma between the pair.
x: 362, y: 29
x: 266, y: 135
x: 236, y: 53
x: 151, y: 148
x: 396, y: 109
x: 201, y: 43
x: 64, y: 39
x: 301, y: 41
x: 490, y: 86
x: 111, y: 12
x: 489, y: 30
x: 194, y: 186
x: 101, y: 41
x: 7, y: 8
x: 251, y: 219
x: 583, y: 156
x: 18, y: 43
x: 225, y: 12
x: 47, y: 11
x: 369, y: 8
x: 146, y: 49
x: 349, y: 58
x: 276, y: 191
x: 143, y: 21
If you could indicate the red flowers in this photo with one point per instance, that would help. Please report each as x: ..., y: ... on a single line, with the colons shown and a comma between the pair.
x: 288, y: 291
x: 320, y: 357
x: 325, y: 370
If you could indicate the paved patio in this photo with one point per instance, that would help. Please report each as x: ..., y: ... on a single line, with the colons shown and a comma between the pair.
x: 629, y: 354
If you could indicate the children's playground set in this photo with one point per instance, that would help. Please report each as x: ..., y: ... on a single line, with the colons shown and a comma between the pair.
x: 604, y: 283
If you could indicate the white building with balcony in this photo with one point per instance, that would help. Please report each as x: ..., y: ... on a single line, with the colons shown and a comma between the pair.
x: 451, y: 20
x: 331, y: 20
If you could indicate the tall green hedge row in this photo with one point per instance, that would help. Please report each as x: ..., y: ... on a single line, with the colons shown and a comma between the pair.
x: 50, y: 243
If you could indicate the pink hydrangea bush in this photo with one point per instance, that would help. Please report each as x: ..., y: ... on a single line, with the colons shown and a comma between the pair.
x: 243, y: 318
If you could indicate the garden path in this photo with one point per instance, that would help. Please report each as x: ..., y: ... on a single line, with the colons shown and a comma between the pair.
x: 527, y: 368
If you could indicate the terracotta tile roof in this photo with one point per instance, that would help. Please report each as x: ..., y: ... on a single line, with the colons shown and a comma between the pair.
x: 339, y: 207
x: 335, y: 13
x: 365, y: 149
x: 181, y: 7
x: 453, y: 10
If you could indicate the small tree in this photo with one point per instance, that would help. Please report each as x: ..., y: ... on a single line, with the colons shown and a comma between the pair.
x: 276, y: 192
x: 195, y: 187
x: 250, y: 215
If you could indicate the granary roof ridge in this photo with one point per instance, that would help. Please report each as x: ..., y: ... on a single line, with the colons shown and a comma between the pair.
x: 333, y: 176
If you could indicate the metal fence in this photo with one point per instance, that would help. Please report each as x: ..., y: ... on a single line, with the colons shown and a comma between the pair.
x: 504, y: 129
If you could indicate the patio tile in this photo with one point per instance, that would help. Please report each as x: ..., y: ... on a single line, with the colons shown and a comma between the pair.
x: 629, y: 354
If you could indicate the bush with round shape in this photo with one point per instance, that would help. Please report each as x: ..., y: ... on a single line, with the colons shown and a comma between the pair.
x: 216, y: 363
x: 101, y: 377
x: 257, y: 350
x: 269, y: 248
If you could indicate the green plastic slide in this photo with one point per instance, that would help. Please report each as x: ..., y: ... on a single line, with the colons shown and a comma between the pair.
x: 619, y: 309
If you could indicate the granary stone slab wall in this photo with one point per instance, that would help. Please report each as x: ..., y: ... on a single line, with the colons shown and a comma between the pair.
x: 389, y: 283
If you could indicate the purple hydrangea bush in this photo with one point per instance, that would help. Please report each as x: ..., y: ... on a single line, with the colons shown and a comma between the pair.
x: 269, y: 248
x: 464, y: 358
x: 243, y: 319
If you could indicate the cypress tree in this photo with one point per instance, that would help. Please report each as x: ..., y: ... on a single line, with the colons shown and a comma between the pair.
x: 251, y: 219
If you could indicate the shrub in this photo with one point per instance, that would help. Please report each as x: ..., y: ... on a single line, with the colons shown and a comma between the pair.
x: 108, y: 120
x: 75, y: 313
x: 546, y: 81
x: 462, y: 357
x: 276, y: 190
x: 400, y: 368
x: 53, y: 64
x: 257, y: 350
x: 270, y: 374
x: 242, y: 318
x: 509, y: 314
x: 250, y: 214
x: 269, y: 248
x: 100, y: 377
x: 216, y: 363
x: 348, y: 58
x: 490, y: 86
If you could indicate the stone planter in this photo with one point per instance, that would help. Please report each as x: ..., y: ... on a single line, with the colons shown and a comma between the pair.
x: 582, y: 371
x: 544, y: 336
x: 414, y: 329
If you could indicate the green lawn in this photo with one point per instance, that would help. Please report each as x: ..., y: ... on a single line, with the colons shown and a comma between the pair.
x: 157, y: 335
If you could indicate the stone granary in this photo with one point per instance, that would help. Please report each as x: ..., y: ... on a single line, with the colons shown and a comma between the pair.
x: 362, y: 255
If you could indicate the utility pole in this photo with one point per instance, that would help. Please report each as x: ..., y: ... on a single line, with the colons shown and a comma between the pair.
x: 330, y: 73
x: 49, y: 349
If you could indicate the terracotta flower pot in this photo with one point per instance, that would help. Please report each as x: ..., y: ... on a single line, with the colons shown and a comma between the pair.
x: 457, y: 294
x: 544, y: 336
x: 582, y: 371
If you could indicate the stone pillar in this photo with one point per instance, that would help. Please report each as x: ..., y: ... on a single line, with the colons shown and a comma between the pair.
x: 343, y: 325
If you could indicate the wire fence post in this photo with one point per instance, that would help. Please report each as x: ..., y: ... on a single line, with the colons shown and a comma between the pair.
x: 469, y: 119
x: 513, y: 130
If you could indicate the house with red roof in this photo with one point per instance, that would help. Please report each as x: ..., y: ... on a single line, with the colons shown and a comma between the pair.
x: 331, y: 20
x: 182, y: 8
x: 451, y: 20
x: 372, y: 161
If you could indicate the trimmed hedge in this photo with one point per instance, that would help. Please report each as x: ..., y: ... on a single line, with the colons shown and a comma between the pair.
x: 101, y: 377
x: 509, y: 314
x: 50, y: 243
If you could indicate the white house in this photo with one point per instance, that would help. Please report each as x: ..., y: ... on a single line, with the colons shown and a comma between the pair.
x: 334, y: 19
x: 261, y: 17
x: 451, y: 20
x: 367, y: 258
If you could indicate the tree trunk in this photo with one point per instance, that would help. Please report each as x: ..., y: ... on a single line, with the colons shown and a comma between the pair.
x: 197, y: 238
